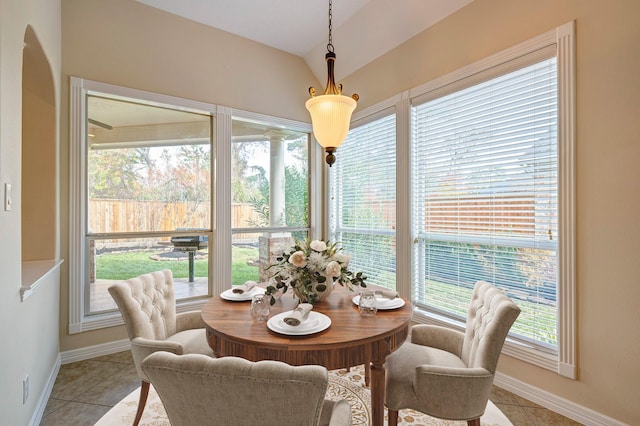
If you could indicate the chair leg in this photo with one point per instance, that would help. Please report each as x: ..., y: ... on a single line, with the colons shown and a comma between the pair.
x: 393, y: 417
x: 474, y: 422
x: 144, y: 393
x: 367, y: 373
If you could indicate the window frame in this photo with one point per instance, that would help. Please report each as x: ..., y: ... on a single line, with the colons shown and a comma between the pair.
x: 562, y: 40
x: 220, y: 243
x: 313, y: 170
x: 335, y: 214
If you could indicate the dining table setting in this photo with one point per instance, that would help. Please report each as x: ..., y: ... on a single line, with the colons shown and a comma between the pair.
x: 345, y: 329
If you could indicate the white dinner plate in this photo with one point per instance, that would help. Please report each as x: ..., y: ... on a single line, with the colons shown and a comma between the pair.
x: 384, y: 303
x: 315, y: 323
x: 247, y: 295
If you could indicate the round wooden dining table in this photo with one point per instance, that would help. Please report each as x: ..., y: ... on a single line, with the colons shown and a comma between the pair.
x: 350, y: 340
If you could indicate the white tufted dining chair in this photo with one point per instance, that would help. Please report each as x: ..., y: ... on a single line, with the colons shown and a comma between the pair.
x: 148, y: 307
x: 446, y: 373
x: 232, y: 391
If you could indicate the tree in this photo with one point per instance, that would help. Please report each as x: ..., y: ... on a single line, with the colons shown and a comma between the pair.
x: 116, y: 173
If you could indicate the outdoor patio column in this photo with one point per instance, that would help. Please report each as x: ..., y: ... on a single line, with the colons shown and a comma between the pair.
x: 276, y: 180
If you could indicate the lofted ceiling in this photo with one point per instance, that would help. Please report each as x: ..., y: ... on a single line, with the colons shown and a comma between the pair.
x: 362, y: 30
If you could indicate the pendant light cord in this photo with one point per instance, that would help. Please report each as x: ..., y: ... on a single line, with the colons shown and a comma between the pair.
x: 330, y: 45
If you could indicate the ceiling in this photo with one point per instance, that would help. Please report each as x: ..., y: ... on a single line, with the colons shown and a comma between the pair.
x: 362, y: 30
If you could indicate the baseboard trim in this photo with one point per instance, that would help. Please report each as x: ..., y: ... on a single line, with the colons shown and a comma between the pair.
x: 89, y: 352
x: 548, y: 400
x: 577, y: 412
x: 36, y: 418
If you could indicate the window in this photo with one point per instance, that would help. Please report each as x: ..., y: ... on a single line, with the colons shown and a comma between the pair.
x: 485, y: 195
x: 145, y: 194
x: 148, y: 196
x: 491, y: 158
x: 363, y: 198
x: 484, y: 162
x: 270, y: 195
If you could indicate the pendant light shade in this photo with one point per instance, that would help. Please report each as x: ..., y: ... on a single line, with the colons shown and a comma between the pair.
x: 331, y: 111
x: 330, y: 117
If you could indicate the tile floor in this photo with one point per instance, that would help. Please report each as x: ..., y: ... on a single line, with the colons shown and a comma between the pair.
x: 85, y: 390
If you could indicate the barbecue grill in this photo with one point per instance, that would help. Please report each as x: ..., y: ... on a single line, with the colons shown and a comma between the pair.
x: 190, y: 244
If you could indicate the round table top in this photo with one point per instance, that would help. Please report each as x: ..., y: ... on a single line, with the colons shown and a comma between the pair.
x: 231, y: 322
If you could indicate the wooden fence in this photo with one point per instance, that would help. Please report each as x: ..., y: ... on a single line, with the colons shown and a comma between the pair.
x: 107, y: 216
x: 502, y: 214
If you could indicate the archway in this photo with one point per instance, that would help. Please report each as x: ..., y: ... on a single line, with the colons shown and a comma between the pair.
x: 38, y: 183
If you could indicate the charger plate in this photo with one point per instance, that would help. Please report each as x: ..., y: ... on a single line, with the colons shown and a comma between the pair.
x: 315, y: 323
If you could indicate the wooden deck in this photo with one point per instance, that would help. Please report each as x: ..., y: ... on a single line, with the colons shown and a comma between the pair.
x: 101, y: 300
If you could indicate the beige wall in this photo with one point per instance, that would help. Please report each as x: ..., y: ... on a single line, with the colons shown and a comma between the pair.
x: 129, y: 44
x: 608, y: 175
x: 29, y: 329
x: 126, y: 43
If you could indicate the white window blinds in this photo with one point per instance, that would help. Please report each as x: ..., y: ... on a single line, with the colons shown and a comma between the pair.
x: 484, y: 182
x: 363, y: 199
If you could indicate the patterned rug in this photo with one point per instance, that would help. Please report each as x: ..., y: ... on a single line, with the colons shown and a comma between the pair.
x: 343, y: 384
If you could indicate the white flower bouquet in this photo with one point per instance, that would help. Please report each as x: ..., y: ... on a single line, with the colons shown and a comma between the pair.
x: 311, y: 269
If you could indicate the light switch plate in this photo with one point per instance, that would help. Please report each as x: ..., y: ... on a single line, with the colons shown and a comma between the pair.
x: 7, y: 197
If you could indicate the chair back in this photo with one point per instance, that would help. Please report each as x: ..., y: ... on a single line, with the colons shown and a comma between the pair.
x: 147, y: 304
x: 199, y: 390
x: 491, y: 314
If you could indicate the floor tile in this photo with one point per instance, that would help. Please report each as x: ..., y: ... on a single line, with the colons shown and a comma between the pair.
x: 499, y: 395
x: 546, y: 417
x: 75, y: 414
x: 79, y: 377
x: 112, y: 389
x: 53, y: 405
x: 124, y: 357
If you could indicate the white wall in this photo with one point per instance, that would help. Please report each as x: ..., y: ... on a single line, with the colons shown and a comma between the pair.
x: 29, y: 330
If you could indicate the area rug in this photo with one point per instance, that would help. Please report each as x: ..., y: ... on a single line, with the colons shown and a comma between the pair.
x: 343, y: 384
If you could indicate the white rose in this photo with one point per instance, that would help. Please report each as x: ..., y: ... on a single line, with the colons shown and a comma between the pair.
x: 343, y: 259
x: 298, y: 259
x: 333, y: 269
x: 318, y: 245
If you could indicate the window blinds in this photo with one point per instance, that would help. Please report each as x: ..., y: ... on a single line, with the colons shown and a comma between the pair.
x: 363, y: 199
x: 484, y: 182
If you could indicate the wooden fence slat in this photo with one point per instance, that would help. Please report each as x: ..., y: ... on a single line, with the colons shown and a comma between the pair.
x: 112, y: 216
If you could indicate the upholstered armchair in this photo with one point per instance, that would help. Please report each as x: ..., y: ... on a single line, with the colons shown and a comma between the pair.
x: 446, y: 373
x: 148, y: 306
x: 198, y: 390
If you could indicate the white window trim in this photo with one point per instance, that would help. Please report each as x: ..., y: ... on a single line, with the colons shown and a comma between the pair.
x: 79, y: 87
x: 563, y: 39
x: 220, y: 278
x: 223, y: 177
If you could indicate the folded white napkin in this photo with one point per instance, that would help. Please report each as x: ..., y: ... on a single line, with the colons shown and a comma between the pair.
x: 247, y: 286
x: 298, y: 315
x: 389, y: 294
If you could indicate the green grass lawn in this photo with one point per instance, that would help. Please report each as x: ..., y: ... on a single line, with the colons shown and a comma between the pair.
x: 128, y: 264
x: 539, y: 321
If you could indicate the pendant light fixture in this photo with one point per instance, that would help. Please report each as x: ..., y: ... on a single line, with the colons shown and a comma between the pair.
x: 331, y: 111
